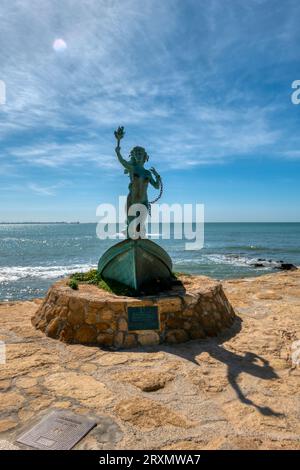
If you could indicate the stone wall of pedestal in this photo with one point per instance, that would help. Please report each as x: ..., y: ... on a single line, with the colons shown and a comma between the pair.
x: 89, y: 315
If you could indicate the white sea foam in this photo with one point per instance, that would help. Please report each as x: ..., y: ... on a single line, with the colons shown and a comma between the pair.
x: 188, y: 261
x: 233, y: 260
x: 14, y: 273
x: 237, y: 260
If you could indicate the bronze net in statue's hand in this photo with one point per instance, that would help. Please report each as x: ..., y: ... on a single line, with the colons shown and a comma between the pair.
x: 119, y: 134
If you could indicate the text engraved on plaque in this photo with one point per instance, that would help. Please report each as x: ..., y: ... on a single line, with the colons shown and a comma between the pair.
x: 143, y: 318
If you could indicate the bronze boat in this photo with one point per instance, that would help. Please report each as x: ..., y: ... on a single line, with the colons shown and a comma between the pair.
x: 136, y: 264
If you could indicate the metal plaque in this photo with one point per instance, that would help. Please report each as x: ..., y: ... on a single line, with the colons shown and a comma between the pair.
x: 60, y: 430
x: 143, y: 318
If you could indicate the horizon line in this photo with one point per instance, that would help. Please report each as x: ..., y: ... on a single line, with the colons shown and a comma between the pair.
x: 63, y: 222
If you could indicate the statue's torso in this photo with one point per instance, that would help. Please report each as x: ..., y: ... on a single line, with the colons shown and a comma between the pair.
x: 139, y: 179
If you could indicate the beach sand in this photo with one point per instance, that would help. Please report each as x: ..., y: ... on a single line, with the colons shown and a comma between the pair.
x: 237, y: 391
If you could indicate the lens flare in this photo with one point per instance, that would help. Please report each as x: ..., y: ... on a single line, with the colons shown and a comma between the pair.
x: 59, y: 45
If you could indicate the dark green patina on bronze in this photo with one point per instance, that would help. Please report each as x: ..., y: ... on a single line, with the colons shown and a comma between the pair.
x: 137, y: 262
x: 139, y: 176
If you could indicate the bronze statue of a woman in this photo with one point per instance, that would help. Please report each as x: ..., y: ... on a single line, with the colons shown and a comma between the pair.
x: 139, y: 176
x: 137, y: 262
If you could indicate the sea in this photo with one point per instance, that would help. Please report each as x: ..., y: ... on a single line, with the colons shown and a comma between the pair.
x: 33, y: 256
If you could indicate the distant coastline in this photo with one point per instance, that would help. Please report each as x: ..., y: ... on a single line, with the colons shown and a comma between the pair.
x: 43, y: 223
x: 95, y: 222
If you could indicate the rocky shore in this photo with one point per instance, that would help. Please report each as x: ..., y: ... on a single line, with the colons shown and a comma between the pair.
x: 237, y: 391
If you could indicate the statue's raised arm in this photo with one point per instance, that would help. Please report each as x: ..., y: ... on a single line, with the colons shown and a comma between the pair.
x: 119, y: 134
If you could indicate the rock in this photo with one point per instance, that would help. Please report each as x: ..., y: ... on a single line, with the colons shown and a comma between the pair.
x: 147, y: 381
x: 53, y: 327
x: 41, y: 403
x: 26, y: 382
x: 25, y: 415
x: 75, y: 303
x: 62, y: 405
x: 197, y: 332
x: 92, y: 317
x: 149, y: 414
x: 4, y: 384
x: 51, y: 313
x: 287, y: 267
x: 62, y: 300
x: 112, y: 359
x: 88, y: 443
x: 118, y: 339
x: 262, y: 263
x: 84, y: 388
x: 103, y: 326
x: 108, y: 314
x: 105, y: 339
x: 88, y: 368
x: 130, y: 341
x: 115, y: 306
x: 176, y: 336
x: 175, y: 322
x: 106, y: 433
x: 188, y: 312
x: 170, y: 305
x: 63, y: 312
x: 10, y: 401
x: 66, y: 334
x: 190, y: 300
x: 76, y: 317
x: 122, y: 325
x: 6, y: 445
x: 6, y: 424
x: 148, y: 338
x: 85, y: 334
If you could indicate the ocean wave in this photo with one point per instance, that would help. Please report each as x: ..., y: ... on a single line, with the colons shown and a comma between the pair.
x: 22, y: 240
x: 233, y: 260
x: 14, y: 273
x: 188, y: 261
x: 260, y: 248
x: 246, y: 247
x: 242, y: 261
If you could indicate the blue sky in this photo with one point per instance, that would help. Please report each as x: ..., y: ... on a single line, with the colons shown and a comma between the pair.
x: 203, y: 85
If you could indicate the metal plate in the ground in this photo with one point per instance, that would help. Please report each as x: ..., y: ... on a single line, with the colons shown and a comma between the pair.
x: 60, y: 430
x: 143, y: 318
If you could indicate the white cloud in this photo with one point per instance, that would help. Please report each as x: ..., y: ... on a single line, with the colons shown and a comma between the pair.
x: 41, y: 190
x: 158, y: 69
x: 292, y: 154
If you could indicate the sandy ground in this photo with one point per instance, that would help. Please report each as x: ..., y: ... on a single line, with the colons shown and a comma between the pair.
x: 237, y: 391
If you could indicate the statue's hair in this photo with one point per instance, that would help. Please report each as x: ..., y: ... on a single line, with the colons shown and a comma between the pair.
x: 132, y: 153
x: 132, y: 159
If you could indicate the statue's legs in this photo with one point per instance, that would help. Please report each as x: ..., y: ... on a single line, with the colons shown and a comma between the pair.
x: 136, y: 229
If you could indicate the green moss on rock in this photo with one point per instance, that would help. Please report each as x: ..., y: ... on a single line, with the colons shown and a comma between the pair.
x: 115, y: 287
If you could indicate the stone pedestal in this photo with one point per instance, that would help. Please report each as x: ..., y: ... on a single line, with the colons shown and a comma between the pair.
x: 89, y: 315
